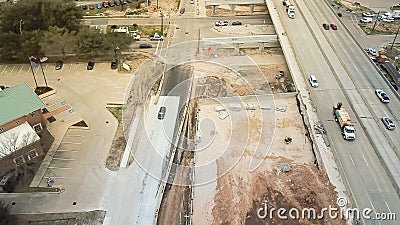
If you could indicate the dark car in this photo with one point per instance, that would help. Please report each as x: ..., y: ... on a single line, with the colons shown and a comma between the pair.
x: 161, y: 112
x: 145, y: 45
x: 90, y: 65
x: 84, y: 7
x: 326, y: 26
x: 339, y: 14
x: 333, y: 26
x: 236, y: 23
x: 114, y: 64
x: 129, y: 1
x: 59, y: 65
x: 111, y: 3
x: 116, y: 2
x: 91, y: 6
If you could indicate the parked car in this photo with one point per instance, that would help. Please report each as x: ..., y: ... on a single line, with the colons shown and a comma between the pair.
x: 389, y: 124
x: 90, y: 65
x: 388, y: 20
x: 91, y: 6
x: 313, y: 81
x: 333, y: 26
x: 382, y: 96
x: 236, y: 23
x: 105, y: 4
x: 129, y: 1
x: 366, y: 20
x: 221, y: 23
x: 117, y: 3
x: 123, y: 2
x: 59, y: 65
x: 98, y: 6
x: 325, y: 26
x: 145, y: 45
x: 114, y: 64
x: 111, y: 3
x: 368, y: 14
x: 84, y: 7
x: 161, y: 112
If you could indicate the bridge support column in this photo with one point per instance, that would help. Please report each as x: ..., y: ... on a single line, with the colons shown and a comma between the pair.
x: 261, y: 46
x: 232, y: 8
x: 213, y: 9
x: 251, y: 8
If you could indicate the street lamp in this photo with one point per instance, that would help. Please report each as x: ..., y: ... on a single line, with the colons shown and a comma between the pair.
x: 115, y: 51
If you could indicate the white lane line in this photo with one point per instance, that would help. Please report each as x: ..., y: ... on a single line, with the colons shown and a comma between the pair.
x: 70, y: 142
x: 22, y: 66
x: 365, y: 160
x: 351, y: 158
x: 55, y: 177
x: 63, y: 159
x: 66, y: 150
x: 388, y: 207
x: 5, y: 67
x: 12, y: 69
x: 75, y: 135
x: 61, y: 168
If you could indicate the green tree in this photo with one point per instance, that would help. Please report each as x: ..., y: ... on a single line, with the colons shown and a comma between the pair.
x: 9, y: 43
x: 5, y: 217
x: 59, y: 38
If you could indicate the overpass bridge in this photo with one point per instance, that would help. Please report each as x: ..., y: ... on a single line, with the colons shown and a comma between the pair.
x: 233, y: 3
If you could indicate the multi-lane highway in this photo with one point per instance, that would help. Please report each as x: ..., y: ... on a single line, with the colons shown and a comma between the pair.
x: 345, y: 74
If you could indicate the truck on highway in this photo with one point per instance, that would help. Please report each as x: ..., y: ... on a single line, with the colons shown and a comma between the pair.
x: 156, y: 37
x: 342, y: 117
x: 290, y: 11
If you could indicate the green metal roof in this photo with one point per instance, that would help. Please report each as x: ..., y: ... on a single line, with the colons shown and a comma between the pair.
x: 18, y: 101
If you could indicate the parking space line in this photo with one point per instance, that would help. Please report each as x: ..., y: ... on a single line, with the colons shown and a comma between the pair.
x: 22, y: 66
x: 66, y: 150
x: 64, y: 159
x: 61, y: 168
x: 5, y: 67
x: 70, y: 142
x: 74, y: 135
x: 12, y: 70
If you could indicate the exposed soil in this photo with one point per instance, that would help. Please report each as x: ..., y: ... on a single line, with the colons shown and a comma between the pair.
x: 82, y: 218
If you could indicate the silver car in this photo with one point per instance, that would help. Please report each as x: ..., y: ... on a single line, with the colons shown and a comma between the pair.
x: 388, y: 123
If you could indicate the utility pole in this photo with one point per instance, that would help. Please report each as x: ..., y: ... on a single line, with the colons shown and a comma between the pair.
x: 162, y: 23
x: 376, y: 20
x: 391, y: 47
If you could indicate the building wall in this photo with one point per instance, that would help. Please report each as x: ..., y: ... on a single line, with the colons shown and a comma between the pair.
x: 32, y: 118
x: 21, y: 156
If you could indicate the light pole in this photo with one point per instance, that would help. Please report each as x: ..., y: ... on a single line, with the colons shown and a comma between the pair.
x: 115, y: 51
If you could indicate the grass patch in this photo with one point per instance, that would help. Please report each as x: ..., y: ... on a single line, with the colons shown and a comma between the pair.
x: 380, y: 28
x: 116, y: 110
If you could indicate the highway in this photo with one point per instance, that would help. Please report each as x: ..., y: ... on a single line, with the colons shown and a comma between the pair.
x: 345, y: 74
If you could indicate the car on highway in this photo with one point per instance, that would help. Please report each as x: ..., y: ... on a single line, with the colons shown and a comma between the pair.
x: 368, y: 14
x: 382, y: 96
x: 325, y: 26
x: 333, y: 26
x: 221, y: 23
x: 59, y: 65
x: 90, y: 65
x: 388, y: 20
x: 313, y: 81
x: 236, y: 23
x: 371, y: 51
x: 145, y: 45
x: 389, y: 124
x: 366, y: 20
x: 114, y: 64
x: 161, y: 112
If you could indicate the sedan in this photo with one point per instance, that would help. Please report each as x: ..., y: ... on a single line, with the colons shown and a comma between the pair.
x: 117, y: 3
x: 90, y: 65
x: 111, y: 3
x: 382, y: 96
x: 59, y: 65
x: 236, y: 23
x: 367, y: 14
x: 389, y: 124
x: 145, y: 45
x: 91, y: 6
x: 326, y: 26
x: 99, y: 6
x: 114, y: 64
x: 333, y: 26
x: 221, y: 23
x: 313, y: 81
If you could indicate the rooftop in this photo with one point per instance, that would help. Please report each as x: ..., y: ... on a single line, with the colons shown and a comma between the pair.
x: 18, y: 101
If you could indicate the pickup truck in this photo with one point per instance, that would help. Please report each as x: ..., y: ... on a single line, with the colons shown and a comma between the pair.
x: 156, y: 37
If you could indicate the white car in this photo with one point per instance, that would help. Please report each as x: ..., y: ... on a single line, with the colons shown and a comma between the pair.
x: 388, y: 123
x: 388, y: 20
x: 368, y: 14
x: 371, y: 51
x: 366, y: 20
x: 313, y: 81
x: 382, y: 96
x: 221, y: 23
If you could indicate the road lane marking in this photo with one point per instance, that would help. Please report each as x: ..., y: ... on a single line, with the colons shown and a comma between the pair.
x: 365, y: 160
x: 5, y: 67
x: 70, y: 142
x: 66, y: 150
x: 63, y: 159
x: 61, y: 168
x: 351, y: 158
x: 74, y: 135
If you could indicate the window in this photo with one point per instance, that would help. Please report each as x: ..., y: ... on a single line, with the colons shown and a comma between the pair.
x: 32, y: 154
x: 37, y: 127
x: 19, y: 160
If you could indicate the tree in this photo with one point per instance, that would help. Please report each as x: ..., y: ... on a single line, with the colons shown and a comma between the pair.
x: 9, y: 44
x: 60, y: 38
x: 6, y: 217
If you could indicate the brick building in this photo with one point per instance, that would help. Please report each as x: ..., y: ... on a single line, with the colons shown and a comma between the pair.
x: 21, y: 125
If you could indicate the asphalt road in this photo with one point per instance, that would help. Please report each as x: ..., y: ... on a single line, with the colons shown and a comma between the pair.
x: 345, y: 75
